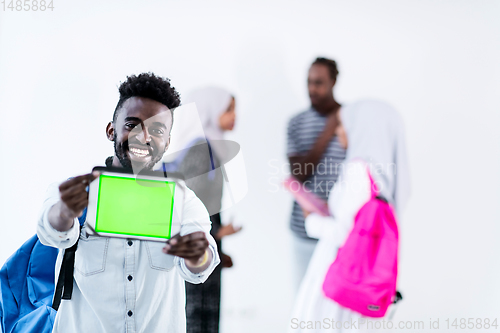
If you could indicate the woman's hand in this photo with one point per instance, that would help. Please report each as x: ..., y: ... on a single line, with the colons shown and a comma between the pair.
x: 305, y: 212
x: 227, y: 230
x: 226, y: 261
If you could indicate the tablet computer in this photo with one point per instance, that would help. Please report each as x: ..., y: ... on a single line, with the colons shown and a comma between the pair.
x: 146, y: 206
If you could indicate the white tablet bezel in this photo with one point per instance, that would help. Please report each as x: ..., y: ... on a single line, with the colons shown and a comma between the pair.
x: 179, y: 196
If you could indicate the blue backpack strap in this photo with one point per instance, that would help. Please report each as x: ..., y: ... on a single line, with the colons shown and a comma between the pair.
x: 82, y: 218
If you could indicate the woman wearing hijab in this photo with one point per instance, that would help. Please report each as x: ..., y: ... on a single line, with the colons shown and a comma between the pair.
x: 200, y: 159
x: 372, y: 132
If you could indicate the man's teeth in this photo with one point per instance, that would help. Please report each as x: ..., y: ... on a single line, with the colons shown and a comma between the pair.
x: 140, y: 152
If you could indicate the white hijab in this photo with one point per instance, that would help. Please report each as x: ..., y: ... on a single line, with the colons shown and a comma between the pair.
x: 375, y: 133
x: 191, y: 124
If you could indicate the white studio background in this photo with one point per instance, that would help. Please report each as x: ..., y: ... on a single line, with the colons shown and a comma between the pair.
x: 435, y: 61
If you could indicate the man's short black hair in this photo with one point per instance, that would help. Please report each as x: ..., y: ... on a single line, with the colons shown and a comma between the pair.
x: 330, y: 64
x: 150, y: 86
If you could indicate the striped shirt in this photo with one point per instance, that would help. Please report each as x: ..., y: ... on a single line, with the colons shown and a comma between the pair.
x: 303, y: 131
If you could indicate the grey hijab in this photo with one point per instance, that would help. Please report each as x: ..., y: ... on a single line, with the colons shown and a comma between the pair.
x: 375, y: 133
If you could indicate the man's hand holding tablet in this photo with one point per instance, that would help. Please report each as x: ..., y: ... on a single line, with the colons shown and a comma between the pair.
x: 74, y: 199
x: 193, y: 248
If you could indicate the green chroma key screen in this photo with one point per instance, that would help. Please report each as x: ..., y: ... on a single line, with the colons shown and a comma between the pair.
x: 136, y: 207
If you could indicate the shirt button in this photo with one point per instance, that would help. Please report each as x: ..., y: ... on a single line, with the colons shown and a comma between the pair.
x: 130, y: 277
x: 130, y: 313
x: 130, y: 243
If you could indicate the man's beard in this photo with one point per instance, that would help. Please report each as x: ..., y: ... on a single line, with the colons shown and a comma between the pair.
x: 121, y: 150
x: 319, y: 103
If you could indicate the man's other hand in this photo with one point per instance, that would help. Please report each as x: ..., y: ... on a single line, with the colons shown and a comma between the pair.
x: 191, y: 247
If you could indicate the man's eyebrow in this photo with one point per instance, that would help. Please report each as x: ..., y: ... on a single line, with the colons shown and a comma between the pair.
x: 157, y: 123
x: 133, y: 119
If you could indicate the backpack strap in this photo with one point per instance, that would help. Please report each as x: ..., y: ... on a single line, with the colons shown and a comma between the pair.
x: 211, y: 173
x: 373, y: 186
x: 398, y: 297
x: 64, y: 286
x: 375, y: 192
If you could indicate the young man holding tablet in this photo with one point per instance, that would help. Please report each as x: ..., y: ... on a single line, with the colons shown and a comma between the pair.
x: 129, y: 285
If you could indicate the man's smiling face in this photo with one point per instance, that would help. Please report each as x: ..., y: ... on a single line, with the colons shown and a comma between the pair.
x: 141, y: 133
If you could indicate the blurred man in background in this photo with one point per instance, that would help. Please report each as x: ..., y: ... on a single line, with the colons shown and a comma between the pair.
x: 314, y: 152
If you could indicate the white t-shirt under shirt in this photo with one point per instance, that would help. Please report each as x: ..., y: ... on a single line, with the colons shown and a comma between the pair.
x: 303, y: 131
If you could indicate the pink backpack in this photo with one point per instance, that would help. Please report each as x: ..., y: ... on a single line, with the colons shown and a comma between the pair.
x: 363, y: 276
